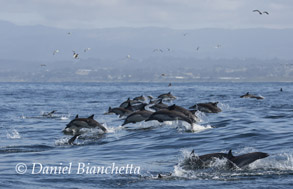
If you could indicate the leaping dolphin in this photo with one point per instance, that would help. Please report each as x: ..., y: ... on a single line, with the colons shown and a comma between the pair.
x: 241, y: 161
x: 167, y: 96
x: 127, y: 102
x: 169, y: 115
x: 140, y: 98
x: 137, y: 117
x: 50, y: 114
x: 159, y: 106
x: 186, y: 112
x: 210, y: 107
x: 119, y: 111
x: 247, y: 95
x: 74, y: 126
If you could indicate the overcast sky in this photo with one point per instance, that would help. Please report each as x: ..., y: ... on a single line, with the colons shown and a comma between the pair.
x: 176, y: 14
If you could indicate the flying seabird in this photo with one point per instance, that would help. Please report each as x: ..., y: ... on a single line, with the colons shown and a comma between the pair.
x: 87, y: 49
x: 217, y: 46
x: 55, y: 51
x: 257, y: 11
x: 75, y: 55
x: 158, y: 50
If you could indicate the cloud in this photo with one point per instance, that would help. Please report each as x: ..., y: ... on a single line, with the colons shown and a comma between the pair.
x: 180, y: 14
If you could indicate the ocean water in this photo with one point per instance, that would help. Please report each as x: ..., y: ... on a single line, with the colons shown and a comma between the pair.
x: 30, y: 144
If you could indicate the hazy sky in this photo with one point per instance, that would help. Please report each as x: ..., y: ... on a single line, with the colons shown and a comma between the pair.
x: 177, y: 14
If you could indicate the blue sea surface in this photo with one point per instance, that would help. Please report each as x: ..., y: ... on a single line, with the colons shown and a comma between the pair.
x: 244, y: 125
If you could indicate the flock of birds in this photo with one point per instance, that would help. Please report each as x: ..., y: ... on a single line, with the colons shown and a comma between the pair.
x: 159, y: 50
x: 259, y: 12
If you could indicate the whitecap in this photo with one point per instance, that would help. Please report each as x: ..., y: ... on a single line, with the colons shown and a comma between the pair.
x: 13, y: 134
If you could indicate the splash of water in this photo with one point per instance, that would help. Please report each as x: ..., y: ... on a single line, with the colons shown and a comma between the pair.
x: 13, y: 134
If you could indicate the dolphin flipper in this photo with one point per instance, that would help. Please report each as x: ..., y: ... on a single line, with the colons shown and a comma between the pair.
x: 70, y: 141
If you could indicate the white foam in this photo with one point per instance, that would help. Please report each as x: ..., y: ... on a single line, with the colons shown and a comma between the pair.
x: 63, y: 117
x: 201, y: 116
x: 13, y: 134
x: 195, y: 128
x: 61, y: 142
x: 281, y: 162
x: 223, y: 107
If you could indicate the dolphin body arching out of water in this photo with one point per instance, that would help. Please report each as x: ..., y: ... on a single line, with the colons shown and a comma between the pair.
x: 210, y: 107
x: 247, y: 95
x: 119, y: 111
x: 137, y: 117
x: 169, y: 115
x: 159, y: 106
x: 241, y: 161
x: 49, y: 115
x: 167, y: 96
x: 74, y: 126
x: 186, y: 112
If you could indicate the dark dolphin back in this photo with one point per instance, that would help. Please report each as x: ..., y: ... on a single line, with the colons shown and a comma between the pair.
x: 246, y: 159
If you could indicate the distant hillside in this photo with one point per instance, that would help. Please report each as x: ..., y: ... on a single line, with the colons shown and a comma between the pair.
x: 39, y: 42
x: 143, y: 54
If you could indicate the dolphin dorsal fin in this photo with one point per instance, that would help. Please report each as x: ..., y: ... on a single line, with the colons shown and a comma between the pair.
x: 215, y: 103
x: 109, y: 109
x: 169, y: 92
x: 172, y: 107
x: 230, y: 155
x: 76, y: 116
x: 92, y: 116
x: 128, y: 104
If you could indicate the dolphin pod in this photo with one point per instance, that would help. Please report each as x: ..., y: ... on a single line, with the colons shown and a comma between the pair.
x: 135, y: 111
